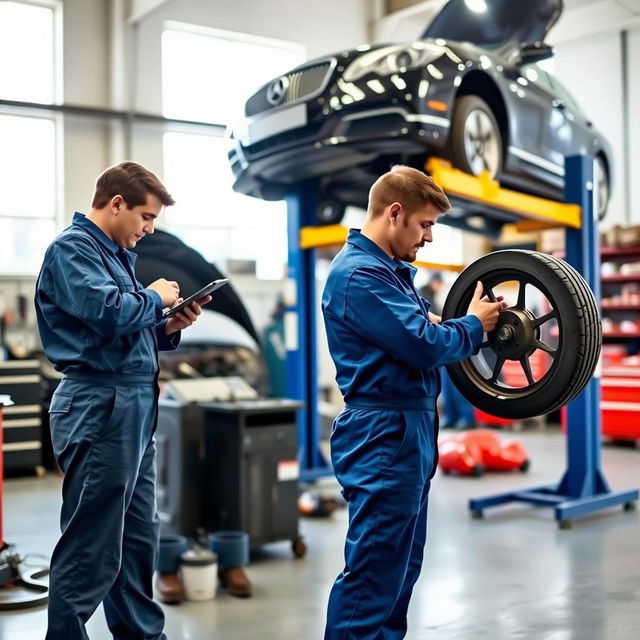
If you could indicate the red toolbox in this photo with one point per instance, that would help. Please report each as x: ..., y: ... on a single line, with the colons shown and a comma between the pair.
x: 621, y: 402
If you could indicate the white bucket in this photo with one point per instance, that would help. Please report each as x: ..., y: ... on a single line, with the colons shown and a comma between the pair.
x: 199, y: 574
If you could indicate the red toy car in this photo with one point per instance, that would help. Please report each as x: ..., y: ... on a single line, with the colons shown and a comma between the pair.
x: 474, y: 452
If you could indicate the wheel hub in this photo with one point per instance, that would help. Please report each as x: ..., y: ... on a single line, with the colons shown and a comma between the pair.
x: 515, y: 334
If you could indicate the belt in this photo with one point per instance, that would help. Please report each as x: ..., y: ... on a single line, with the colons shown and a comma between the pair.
x: 113, y: 379
x: 389, y: 403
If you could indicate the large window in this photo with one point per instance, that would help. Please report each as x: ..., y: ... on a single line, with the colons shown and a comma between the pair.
x: 209, y: 216
x: 29, y: 197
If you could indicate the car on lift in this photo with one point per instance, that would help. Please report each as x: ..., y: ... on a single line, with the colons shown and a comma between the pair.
x: 469, y: 91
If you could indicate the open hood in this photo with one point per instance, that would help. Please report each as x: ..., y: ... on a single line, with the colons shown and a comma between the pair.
x: 491, y: 24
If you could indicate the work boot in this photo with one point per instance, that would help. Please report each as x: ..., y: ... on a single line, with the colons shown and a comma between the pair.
x: 236, y: 582
x: 169, y: 588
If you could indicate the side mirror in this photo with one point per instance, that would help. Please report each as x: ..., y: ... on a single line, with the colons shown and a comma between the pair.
x: 534, y: 52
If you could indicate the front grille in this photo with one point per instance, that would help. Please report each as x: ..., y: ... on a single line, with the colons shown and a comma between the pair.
x: 301, y: 84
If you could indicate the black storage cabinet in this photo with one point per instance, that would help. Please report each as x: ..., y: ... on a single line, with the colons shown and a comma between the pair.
x: 251, y: 469
x: 179, y: 458
x: 22, y: 446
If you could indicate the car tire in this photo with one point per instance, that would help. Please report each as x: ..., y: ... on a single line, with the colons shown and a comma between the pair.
x: 476, y: 141
x: 329, y: 212
x: 573, y: 362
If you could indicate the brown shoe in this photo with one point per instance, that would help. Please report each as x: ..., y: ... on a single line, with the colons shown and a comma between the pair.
x: 169, y: 588
x: 235, y: 580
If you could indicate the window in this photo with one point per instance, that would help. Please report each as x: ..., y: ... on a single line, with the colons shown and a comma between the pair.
x: 27, y: 48
x: 28, y: 206
x: 212, y: 218
x: 209, y: 216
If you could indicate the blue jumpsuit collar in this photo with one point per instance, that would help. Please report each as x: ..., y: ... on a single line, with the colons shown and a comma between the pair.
x: 357, y: 239
x: 80, y: 220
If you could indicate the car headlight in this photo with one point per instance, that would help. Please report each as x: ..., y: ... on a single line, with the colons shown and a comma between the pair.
x: 393, y: 59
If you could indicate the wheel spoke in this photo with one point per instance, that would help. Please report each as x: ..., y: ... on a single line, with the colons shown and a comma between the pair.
x: 497, y: 369
x: 478, y: 126
x: 545, y: 347
x: 526, y: 367
x: 538, y: 321
x: 521, y: 294
x: 492, y: 296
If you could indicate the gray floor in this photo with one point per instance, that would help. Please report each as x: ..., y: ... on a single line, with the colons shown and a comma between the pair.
x: 512, y: 575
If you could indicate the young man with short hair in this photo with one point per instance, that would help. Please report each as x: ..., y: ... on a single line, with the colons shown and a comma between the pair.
x: 102, y: 330
x: 387, y: 348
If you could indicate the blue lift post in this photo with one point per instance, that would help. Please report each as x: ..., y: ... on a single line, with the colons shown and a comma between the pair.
x: 300, y: 332
x: 583, y: 488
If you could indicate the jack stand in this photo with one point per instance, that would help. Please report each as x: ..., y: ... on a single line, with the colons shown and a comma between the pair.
x: 21, y: 590
x: 583, y: 488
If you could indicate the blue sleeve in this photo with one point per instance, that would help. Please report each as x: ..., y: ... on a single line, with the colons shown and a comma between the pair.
x: 81, y: 286
x: 382, y: 314
x: 165, y: 342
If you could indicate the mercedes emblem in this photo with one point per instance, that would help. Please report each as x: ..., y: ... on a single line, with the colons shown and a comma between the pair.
x: 277, y: 90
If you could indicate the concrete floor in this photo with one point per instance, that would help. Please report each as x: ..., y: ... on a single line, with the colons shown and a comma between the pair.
x: 512, y: 575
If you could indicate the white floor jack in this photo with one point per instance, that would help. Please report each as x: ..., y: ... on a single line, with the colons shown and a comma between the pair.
x: 18, y: 589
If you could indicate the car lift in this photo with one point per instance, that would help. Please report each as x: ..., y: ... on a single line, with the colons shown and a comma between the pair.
x: 583, y: 488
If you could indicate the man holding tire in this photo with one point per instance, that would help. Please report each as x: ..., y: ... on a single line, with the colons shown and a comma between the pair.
x: 387, y: 348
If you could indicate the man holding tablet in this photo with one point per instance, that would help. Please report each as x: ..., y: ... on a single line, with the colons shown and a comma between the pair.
x: 103, y: 330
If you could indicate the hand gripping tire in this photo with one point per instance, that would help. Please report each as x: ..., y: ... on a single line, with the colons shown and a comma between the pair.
x: 561, y: 330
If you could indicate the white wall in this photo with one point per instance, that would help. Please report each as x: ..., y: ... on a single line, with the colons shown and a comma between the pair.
x: 591, y: 68
x: 633, y: 89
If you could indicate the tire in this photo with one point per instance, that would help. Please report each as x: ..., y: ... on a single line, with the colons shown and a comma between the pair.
x: 476, y: 141
x: 574, y: 359
x: 329, y: 212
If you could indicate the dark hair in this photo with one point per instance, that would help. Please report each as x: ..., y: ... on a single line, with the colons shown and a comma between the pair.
x: 413, y: 189
x: 133, y: 182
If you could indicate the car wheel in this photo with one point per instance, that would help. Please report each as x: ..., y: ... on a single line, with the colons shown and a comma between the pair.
x: 603, y: 187
x: 476, y: 142
x: 546, y: 344
x: 329, y: 212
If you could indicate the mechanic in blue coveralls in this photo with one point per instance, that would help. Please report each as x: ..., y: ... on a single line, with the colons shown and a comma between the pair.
x: 387, y: 348
x: 102, y: 329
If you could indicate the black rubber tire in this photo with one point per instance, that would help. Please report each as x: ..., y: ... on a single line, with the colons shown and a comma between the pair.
x: 330, y: 212
x: 478, y: 471
x: 524, y: 467
x: 461, y: 111
x: 578, y: 320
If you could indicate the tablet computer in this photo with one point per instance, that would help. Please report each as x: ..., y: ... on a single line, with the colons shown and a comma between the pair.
x: 198, y: 295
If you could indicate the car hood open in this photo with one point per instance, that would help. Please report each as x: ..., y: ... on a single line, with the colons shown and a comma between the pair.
x: 492, y: 23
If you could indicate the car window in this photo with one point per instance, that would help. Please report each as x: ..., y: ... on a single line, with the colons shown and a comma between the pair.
x: 535, y: 74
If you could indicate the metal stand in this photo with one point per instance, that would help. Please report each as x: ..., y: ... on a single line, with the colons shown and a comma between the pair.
x: 583, y: 488
x: 300, y: 333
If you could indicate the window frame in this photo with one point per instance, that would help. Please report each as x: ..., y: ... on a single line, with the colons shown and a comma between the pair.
x: 232, y: 36
x: 24, y: 111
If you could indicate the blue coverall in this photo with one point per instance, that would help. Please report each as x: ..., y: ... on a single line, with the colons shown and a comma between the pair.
x: 102, y: 330
x: 383, y: 444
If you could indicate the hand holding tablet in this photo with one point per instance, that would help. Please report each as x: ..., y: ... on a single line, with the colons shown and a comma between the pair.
x: 198, y: 295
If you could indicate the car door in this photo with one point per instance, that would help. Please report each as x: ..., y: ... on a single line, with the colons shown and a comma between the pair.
x: 536, y: 123
x: 575, y: 134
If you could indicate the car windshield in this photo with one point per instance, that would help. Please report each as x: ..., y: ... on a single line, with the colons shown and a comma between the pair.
x: 492, y: 23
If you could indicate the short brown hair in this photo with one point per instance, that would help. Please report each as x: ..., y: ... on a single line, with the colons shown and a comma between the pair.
x: 412, y: 188
x: 133, y: 182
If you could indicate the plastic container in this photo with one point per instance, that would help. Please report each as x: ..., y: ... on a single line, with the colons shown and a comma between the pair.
x: 199, y: 574
x: 232, y: 547
x: 170, y: 549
